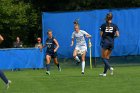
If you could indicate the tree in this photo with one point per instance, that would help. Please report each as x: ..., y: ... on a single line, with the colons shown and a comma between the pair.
x: 18, y: 19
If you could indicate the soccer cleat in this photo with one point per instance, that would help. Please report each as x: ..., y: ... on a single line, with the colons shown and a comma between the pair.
x: 59, y: 69
x: 48, y: 72
x: 82, y: 73
x: 111, y: 71
x: 104, y: 75
x: 8, y: 84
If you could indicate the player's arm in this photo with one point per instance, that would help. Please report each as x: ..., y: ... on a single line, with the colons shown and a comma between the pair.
x: 102, y: 28
x: 57, y: 45
x: 1, y: 39
x: 72, y: 42
x: 117, y: 34
x: 101, y: 33
x: 42, y: 47
x: 86, y: 34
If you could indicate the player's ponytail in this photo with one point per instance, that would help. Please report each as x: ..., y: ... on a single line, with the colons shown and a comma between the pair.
x: 76, y: 23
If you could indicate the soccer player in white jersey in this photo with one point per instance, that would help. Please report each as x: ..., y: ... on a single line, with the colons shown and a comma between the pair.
x: 81, y: 46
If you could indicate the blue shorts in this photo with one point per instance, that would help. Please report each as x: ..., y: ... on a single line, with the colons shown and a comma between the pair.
x: 107, y: 45
x: 52, y: 54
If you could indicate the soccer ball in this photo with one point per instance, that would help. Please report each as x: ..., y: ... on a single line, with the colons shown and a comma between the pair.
x: 80, y: 52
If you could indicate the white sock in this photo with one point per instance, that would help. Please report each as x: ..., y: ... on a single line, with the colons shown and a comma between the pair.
x: 77, y: 59
x: 83, y: 66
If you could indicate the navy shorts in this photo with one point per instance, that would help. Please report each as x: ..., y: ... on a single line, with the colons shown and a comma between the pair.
x: 105, y: 44
x: 52, y: 54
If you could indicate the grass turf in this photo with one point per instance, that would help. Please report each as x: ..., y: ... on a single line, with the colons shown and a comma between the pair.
x: 70, y: 80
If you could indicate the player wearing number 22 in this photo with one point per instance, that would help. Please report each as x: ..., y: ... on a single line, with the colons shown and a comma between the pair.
x: 109, y: 32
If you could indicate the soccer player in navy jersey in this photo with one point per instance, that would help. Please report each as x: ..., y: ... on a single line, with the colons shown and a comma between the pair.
x: 52, y: 47
x: 108, y: 32
x: 2, y: 76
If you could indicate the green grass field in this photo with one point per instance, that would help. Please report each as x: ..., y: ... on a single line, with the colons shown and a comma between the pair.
x: 70, y: 80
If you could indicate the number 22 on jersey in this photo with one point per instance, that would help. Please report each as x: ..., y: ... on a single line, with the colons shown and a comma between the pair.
x: 109, y: 29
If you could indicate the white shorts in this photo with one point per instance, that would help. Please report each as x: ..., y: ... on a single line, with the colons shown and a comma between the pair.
x: 81, y: 48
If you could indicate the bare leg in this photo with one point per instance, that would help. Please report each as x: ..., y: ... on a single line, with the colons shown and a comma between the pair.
x: 48, y: 59
x: 75, y: 56
x: 57, y: 63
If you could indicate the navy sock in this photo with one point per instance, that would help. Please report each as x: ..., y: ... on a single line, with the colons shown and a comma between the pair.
x: 105, y: 69
x: 107, y: 65
x: 58, y: 65
x: 3, y: 77
x: 48, y: 67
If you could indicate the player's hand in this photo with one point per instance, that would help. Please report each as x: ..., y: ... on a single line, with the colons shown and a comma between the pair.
x: 88, y: 36
x: 71, y: 45
x: 55, y: 50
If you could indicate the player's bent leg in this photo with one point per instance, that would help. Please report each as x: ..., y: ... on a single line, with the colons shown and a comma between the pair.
x: 48, y: 59
x: 57, y: 63
x: 108, y: 54
x: 75, y: 56
x: 83, y: 62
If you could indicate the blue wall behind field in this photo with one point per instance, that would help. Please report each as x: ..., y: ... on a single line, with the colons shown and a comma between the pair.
x: 128, y: 21
x: 21, y: 58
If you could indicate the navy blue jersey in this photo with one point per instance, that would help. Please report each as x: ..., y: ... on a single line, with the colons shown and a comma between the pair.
x: 50, y: 45
x: 109, y: 31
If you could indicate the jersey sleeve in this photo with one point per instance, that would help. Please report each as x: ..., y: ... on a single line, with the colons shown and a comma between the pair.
x: 84, y: 32
x: 102, y: 28
x: 116, y: 28
x: 72, y: 35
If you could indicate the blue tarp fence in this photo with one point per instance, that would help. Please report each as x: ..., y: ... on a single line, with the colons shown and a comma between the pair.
x: 128, y: 21
x: 21, y: 58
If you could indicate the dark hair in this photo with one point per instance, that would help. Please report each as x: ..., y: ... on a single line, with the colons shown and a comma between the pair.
x: 76, y: 22
x: 109, y: 16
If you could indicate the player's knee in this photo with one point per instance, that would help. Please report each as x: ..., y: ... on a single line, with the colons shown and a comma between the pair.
x: 55, y: 62
x: 108, y: 57
x: 83, y: 58
x: 74, y: 55
x: 47, y: 60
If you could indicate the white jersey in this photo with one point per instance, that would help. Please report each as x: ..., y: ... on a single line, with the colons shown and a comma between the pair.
x: 80, y: 37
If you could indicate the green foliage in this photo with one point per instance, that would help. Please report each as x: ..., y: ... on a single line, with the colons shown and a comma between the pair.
x: 23, y: 17
x: 17, y: 19
x: 76, y: 5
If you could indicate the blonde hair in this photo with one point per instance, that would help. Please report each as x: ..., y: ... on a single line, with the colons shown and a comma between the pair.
x: 49, y: 31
